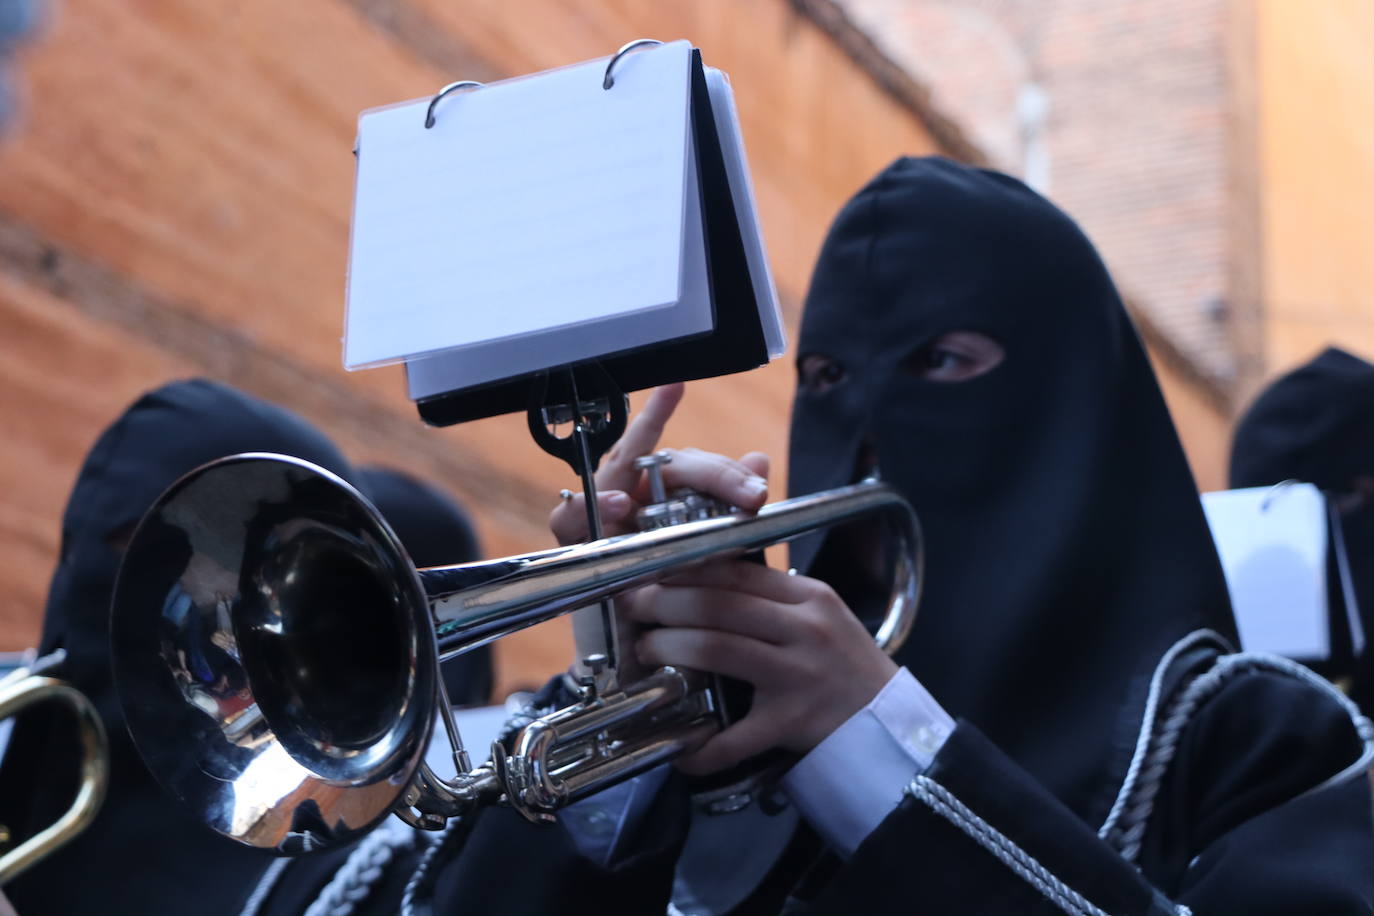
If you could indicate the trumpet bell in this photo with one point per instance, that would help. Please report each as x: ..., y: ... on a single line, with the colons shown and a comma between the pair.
x: 274, y: 653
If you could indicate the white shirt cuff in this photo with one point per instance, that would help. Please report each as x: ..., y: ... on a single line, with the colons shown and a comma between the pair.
x: 854, y: 778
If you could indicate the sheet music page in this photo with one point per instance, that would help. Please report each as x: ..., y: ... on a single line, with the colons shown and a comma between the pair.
x: 1272, y: 544
x: 508, y: 358
x: 533, y: 204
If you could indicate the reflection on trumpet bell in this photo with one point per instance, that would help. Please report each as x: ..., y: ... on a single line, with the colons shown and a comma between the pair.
x: 277, y: 653
x: 28, y: 687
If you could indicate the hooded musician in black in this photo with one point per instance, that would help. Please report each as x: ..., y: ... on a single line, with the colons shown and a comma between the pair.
x: 1067, y: 564
x: 1112, y: 755
x: 146, y: 853
x: 1316, y: 424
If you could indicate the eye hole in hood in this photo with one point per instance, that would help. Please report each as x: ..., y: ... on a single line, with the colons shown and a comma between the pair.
x: 959, y: 356
x: 818, y: 373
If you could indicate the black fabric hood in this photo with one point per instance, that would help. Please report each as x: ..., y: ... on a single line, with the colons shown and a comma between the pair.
x: 1315, y: 424
x: 433, y: 528
x: 144, y: 852
x: 1066, y: 548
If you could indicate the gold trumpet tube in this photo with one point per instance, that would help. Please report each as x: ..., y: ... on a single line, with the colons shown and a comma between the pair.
x: 20, y: 690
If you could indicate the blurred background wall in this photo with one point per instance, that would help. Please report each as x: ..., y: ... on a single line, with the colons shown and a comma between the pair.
x: 175, y: 197
x: 1315, y: 74
x: 1220, y: 153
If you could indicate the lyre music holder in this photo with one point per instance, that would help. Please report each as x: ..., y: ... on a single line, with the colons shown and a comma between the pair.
x: 738, y: 340
x: 584, y: 395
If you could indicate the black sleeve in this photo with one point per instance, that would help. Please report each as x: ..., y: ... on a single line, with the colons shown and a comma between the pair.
x: 1240, y: 826
x: 977, y: 834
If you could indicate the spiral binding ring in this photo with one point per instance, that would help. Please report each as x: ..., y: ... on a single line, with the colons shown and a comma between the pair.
x: 451, y: 87
x: 608, y: 80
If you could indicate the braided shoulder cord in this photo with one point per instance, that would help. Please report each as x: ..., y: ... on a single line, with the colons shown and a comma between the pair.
x: 418, y: 899
x: 362, y: 871
x: 266, y: 883
x: 1149, y: 719
x: 944, y: 803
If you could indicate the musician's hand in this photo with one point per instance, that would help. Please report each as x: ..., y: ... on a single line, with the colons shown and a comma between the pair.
x: 622, y: 489
x: 812, y: 664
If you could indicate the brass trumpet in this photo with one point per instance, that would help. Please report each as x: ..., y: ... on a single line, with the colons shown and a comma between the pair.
x: 277, y: 653
x: 30, y: 686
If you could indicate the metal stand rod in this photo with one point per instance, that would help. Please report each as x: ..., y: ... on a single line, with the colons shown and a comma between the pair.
x: 598, y: 414
x: 586, y: 469
x: 461, y: 761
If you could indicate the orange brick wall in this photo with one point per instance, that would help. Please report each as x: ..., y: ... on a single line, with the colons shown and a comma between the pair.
x: 176, y: 200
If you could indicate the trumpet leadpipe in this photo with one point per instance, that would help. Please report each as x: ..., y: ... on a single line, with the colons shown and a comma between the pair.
x: 476, y: 603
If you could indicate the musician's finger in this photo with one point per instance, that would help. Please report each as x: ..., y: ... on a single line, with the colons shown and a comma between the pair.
x: 640, y: 438
x: 747, y: 737
x: 712, y: 650
x: 713, y: 609
x: 568, y: 520
x: 715, y: 475
x: 758, y: 462
x: 749, y: 578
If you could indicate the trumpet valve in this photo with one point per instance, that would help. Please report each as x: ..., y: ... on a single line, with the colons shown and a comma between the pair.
x: 664, y: 509
x: 599, y: 680
x: 682, y: 505
x: 652, y: 465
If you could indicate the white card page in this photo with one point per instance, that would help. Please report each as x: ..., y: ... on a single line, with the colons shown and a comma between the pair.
x: 746, y: 210
x: 513, y: 357
x: 1272, y: 544
x: 533, y: 204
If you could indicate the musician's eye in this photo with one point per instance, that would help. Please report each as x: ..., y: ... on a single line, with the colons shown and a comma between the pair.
x: 818, y: 373
x: 955, y: 357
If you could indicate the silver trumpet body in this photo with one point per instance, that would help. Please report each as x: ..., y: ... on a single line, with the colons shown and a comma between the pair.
x: 277, y: 653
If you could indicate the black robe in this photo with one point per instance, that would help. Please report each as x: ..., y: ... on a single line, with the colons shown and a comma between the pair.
x: 1316, y: 424
x: 1111, y: 754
